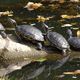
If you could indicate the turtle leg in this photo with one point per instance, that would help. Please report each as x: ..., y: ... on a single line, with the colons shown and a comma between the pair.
x: 39, y: 46
x: 69, y: 49
x: 18, y: 37
x: 64, y: 52
x: 3, y: 34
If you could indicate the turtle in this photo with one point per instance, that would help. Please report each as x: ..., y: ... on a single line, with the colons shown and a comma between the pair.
x: 2, y: 29
x: 73, y: 41
x: 29, y: 32
x: 57, y: 40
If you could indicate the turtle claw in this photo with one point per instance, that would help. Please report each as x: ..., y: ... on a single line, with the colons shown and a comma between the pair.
x: 69, y: 50
x: 3, y: 34
x: 18, y: 37
x: 64, y: 52
x: 39, y: 46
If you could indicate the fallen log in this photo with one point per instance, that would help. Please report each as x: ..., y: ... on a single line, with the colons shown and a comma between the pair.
x: 12, y: 49
x: 14, y: 55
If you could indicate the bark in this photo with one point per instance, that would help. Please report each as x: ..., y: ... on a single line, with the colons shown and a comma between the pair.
x: 10, y: 50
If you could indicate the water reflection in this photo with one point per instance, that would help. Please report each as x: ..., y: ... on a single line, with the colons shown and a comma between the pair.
x: 38, y: 70
x: 49, y: 70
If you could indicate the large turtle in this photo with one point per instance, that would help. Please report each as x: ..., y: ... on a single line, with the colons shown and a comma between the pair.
x: 57, y: 40
x: 73, y: 41
x: 2, y: 29
x: 29, y: 33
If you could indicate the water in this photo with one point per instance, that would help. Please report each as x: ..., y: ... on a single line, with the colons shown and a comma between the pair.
x: 48, y: 70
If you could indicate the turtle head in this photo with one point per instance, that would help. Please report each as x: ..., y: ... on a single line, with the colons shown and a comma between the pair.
x: 47, y: 28
x: 69, y: 26
x: 69, y: 32
x: 12, y: 21
x: 45, y: 25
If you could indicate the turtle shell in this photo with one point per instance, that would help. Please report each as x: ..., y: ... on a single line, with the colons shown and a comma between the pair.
x: 75, y: 42
x: 28, y: 31
x: 58, y: 40
x: 2, y: 27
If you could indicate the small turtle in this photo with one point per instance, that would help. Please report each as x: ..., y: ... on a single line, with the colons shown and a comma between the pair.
x: 73, y: 41
x: 2, y: 29
x: 29, y: 33
x: 57, y: 40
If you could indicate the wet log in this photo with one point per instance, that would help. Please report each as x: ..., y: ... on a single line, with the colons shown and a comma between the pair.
x: 10, y: 49
x: 13, y: 51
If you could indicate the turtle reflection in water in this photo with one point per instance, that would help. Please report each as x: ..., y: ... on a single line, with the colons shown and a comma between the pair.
x: 29, y: 32
x: 35, y: 69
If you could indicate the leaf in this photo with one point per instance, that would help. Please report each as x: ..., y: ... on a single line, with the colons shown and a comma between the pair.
x: 41, y: 59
